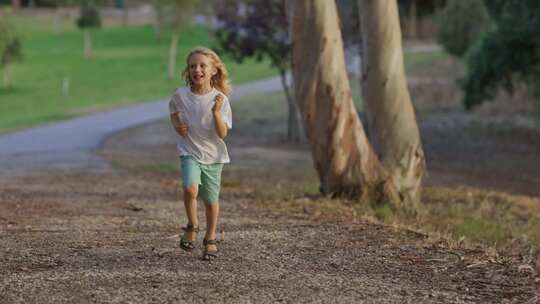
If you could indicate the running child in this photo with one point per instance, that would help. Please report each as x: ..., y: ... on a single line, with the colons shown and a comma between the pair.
x: 201, y: 115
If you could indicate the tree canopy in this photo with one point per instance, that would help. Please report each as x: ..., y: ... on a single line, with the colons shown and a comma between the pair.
x: 89, y: 15
x: 10, y: 46
x: 256, y: 28
x: 461, y: 23
x: 509, y: 52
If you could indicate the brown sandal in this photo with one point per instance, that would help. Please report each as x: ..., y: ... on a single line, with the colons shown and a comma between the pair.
x: 185, y: 243
x: 208, y: 255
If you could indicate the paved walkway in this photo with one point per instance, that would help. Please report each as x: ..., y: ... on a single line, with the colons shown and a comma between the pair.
x: 70, y: 144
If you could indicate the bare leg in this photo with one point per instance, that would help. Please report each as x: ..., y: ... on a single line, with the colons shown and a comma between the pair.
x: 190, y: 202
x: 212, y: 213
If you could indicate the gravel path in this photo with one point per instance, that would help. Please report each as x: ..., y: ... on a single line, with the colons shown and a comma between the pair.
x: 113, y: 238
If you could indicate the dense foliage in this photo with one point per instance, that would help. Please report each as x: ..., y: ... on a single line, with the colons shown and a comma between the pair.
x: 10, y: 46
x: 461, y: 23
x: 89, y: 15
x: 256, y: 28
x: 509, y: 52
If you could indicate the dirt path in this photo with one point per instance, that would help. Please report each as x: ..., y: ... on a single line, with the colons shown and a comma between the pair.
x: 111, y: 237
x: 462, y: 149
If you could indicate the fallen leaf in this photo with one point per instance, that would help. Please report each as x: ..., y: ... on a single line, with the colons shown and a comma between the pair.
x: 525, y: 268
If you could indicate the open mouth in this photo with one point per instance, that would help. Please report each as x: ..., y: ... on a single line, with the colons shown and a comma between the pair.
x: 197, y: 78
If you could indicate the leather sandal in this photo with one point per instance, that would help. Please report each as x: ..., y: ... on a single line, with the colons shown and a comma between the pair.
x: 185, y: 243
x: 208, y: 255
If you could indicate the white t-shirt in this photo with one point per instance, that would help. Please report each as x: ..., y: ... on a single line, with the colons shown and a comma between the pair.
x: 202, y: 141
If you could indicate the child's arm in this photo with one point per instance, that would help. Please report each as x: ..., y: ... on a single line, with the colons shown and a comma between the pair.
x: 221, y: 127
x: 181, y: 128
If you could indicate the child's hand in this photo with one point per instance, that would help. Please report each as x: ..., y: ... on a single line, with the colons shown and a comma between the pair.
x: 219, y: 103
x: 181, y: 129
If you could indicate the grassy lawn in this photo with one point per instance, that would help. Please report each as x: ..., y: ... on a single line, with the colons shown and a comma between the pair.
x: 129, y: 66
x: 423, y: 58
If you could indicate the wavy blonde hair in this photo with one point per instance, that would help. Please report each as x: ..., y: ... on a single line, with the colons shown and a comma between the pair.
x: 221, y: 80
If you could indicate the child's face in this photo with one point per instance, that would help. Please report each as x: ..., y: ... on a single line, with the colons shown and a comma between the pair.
x: 201, y: 69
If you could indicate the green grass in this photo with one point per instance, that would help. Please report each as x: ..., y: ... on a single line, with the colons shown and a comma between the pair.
x: 165, y: 167
x: 479, y: 217
x: 129, y: 66
x: 424, y: 58
x: 469, y: 222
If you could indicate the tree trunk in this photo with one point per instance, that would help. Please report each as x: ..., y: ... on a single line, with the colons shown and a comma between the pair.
x: 7, y: 75
x: 344, y: 160
x: 172, y: 54
x: 58, y: 19
x: 392, y: 121
x: 125, y: 13
x: 159, y: 23
x: 16, y: 4
x: 413, y: 20
x: 87, y: 43
x: 293, y: 123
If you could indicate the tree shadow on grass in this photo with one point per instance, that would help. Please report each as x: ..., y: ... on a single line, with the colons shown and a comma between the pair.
x: 11, y: 91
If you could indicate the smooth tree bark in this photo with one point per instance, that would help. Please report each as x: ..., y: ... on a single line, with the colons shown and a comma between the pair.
x: 344, y: 159
x: 392, y: 121
x: 413, y: 20
x: 125, y: 13
x: 159, y: 24
x: 172, y: 54
x: 7, y: 75
x: 58, y: 19
x: 293, y: 120
x: 16, y: 4
x: 181, y: 14
x: 87, y: 43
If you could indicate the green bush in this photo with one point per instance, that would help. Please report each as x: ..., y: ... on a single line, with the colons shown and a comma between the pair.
x: 461, y: 23
x: 508, y: 53
x: 10, y: 46
x: 89, y: 16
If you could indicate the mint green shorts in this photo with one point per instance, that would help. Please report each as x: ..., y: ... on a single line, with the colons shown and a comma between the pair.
x: 208, y: 177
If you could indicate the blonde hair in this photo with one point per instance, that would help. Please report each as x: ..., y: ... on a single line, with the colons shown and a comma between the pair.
x: 221, y: 80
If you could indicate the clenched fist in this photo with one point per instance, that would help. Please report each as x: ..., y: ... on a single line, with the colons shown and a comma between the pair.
x: 219, y: 100
x: 181, y: 129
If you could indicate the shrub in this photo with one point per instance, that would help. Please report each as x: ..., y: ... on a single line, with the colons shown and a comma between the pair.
x: 461, y: 23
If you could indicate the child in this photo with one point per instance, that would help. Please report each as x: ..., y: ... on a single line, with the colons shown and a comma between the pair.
x: 201, y: 115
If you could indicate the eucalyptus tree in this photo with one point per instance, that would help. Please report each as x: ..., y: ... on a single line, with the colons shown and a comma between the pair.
x: 89, y: 20
x: 347, y: 163
x: 10, y: 51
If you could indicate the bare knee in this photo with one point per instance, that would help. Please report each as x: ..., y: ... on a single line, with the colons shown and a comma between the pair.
x: 191, y: 192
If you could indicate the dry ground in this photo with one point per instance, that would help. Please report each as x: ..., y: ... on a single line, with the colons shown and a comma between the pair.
x: 111, y: 236
x: 78, y: 237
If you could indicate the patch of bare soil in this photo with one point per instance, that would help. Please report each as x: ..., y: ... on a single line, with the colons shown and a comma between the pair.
x: 462, y: 149
x: 112, y: 237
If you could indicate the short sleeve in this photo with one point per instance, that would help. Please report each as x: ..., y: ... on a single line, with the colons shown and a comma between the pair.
x: 226, y: 113
x: 174, y: 104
